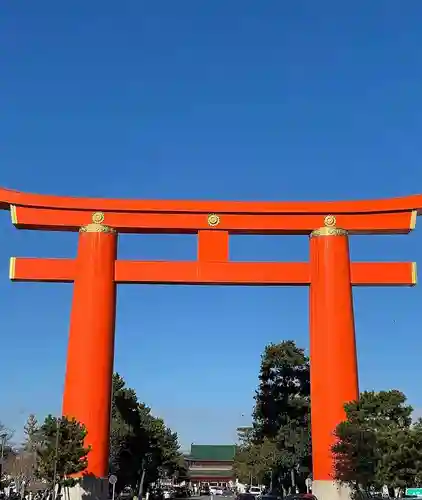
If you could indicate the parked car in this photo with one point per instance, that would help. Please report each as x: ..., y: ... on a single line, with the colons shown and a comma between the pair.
x: 181, y: 492
x: 216, y: 490
x: 205, y: 490
x: 255, y: 491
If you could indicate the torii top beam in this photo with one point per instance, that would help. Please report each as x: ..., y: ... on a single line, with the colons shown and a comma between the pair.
x: 213, y: 221
x: 34, y: 211
x: 404, y: 204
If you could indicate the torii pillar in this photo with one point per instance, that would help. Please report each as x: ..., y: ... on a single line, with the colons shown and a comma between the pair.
x: 334, y: 371
x: 89, y: 367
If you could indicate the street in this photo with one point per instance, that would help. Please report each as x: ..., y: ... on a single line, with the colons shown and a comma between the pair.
x: 216, y: 497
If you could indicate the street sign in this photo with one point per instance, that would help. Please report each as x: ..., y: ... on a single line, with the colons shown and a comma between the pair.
x: 308, y: 482
x: 113, y: 480
x: 414, y: 492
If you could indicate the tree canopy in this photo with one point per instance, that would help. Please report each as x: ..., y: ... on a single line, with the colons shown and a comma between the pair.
x: 277, y: 448
x: 6, y: 436
x: 33, y: 434
x: 61, y: 452
x: 142, y: 448
x: 254, y: 462
x: 378, y: 444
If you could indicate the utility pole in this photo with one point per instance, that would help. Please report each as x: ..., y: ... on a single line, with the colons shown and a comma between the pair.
x: 141, y: 483
x: 3, y: 438
x: 56, y: 457
x: 3, y: 442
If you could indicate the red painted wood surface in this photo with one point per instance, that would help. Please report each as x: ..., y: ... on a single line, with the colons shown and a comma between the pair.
x: 90, y: 353
x: 96, y: 271
x: 190, y: 223
x: 196, y: 273
x: 404, y: 204
x: 334, y: 371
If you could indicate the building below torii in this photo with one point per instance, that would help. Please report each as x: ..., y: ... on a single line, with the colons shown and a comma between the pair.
x: 209, y: 463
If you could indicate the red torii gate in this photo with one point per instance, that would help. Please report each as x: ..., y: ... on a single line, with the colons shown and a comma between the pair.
x: 96, y: 271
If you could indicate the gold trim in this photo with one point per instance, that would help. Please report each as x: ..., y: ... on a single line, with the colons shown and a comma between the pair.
x: 328, y: 231
x: 12, y: 268
x: 330, y: 221
x: 414, y: 273
x: 96, y: 228
x: 413, y: 217
x: 13, y: 214
x: 98, y: 217
x: 213, y: 220
x: 329, y: 228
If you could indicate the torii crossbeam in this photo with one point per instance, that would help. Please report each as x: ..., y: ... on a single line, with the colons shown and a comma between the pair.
x: 96, y: 270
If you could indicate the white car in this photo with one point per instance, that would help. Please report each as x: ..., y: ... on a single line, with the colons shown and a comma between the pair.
x: 216, y: 490
x: 255, y: 491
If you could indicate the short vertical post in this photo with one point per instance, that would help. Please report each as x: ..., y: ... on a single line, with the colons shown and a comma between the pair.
x: 89, y: 370
x: 213, y: 244
x: 334, y: 373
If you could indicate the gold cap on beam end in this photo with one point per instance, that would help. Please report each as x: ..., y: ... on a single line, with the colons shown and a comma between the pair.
x: 13, y: 214
x: 413, y: 219
x: 12, y: 268
x: 414, y: 274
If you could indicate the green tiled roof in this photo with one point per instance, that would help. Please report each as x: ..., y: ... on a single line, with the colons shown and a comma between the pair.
x: 210, y: 473
x: 220, y: 452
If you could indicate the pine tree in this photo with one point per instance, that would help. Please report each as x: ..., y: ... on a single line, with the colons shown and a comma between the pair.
x: 141, y: 445
x: 377, y: 443
x: 402, y: 465
x: 62, y: 450
x: 32, y: 433
x: 282, y: 409
x: 284, y: 389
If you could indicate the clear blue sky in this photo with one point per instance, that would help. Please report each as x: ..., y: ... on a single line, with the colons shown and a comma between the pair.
x: 217, y: 99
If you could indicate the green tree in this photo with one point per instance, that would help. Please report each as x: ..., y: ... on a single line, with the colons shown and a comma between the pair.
x: 141, y: 446
x: 6, y: 436
x: 164, y: 447
x: 282, y: 409
x: 255, y: 462
x: 33, y: 436
x: 244, y: 435
x: 20, y: 467
x: 7, y: 451
x: 377, y: 443
x: 62, y: 451
x: 356, y: 455
x: 5, y: 443
x: 284, y: 389
x: 401, y: 467
x: 181, y: 470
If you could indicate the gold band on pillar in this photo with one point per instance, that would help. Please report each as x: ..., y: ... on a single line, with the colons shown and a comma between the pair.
x: 97, y: 225
x: 329, y: 228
